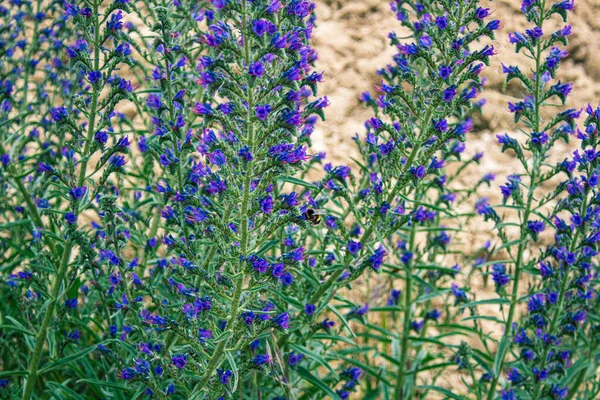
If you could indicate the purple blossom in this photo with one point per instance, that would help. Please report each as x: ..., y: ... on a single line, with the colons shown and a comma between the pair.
x: 354, y: 247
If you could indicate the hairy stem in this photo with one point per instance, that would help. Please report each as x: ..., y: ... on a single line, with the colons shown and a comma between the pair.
x: 215, y: 360
x: 526, y: 213
x: 401, y: 373
x: 66, y: 255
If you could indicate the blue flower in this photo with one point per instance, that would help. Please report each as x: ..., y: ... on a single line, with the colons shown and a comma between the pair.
x: 71, y: 218
x: 256, y: 69
x: 294, y: 358
x: 94, y: 76
x: 179, y: 361
x: 283, y: 320
x: 481, y: 13
x: 224, y: 376
x: 354, y: 247
x: 261, y: 359
x: 535, y: 33
x: 59, y: 114
x: 309, y: 309
x: 449, y: 94
x: 78, y: 192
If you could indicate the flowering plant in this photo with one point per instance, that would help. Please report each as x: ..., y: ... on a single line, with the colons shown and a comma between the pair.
x: 161, y: 235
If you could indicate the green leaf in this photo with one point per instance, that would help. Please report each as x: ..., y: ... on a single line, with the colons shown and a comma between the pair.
x: 335, y: 338
x: 104, y: 383
x: 372, y: 395
x: 498, y: 301
x: 504, y: 343
x: 341, y: 317
x: 297, y: 181
x: 316, y: 382
x: 387, y: 309
x: 268, y: 245
x: 318, y: 358
x: 580, y: 365
x: 8, y: 328
x: 445, y: 392
x: 483, y: 317
x: 458, y: 327
x: 67, y: 360
x: 59, y: 388
x: 13, y: 373
x: 234, y: 369
x: 15, y: 223
x: 19, y: 326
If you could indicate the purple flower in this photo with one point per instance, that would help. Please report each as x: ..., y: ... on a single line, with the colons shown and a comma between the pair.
x: 499, y: 275
x: 262, y: 112
x: 309, y: 309
x: 493, y: 25
x: 394, y: 297
x: 445, y: 72
x: 425, y: 41
x: 260, y: 27
x: 418, y: 172
x: 224, y: 376
x: 449, y: 94
x: 256, y: 69
x: 266, y: 204
x: 441, y: 125
x: 71, y: 303
x: 94, y: 76
x: 117, y: 161
x: 441, y: 22
x: 78, y: 192
x: 204, y: 335
x: 261, y: 359
x: 508, y: 395
x: 536, y: 226
x: 354, y: 247
x: 59, y: 114
x: 283, y: 320
x: 361, y: 311
x: 327, y: 324
x: 535, y: 33
x: 203, y: 109
x: 71, y: 218
x: 376, y: 260
x: 294, y: 358
x: 481, y: 13
x: 179, y: 361
x: 217, y: 157
x: 353, y: 374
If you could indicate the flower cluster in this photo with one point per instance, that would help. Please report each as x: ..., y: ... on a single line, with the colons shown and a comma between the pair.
x: 161, y: 235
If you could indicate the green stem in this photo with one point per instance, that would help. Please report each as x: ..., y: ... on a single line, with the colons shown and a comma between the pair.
x: 215, y: 360
x: 401, y: 375
x: 41, y: 336
x: 66, y: 255
x: 366, y: 236
x: 575, y: 389
x: 559, y: 309
x: 218, y: 353
x: 524, y: 234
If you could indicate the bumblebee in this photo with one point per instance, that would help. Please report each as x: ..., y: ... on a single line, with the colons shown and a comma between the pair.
x: 314, y: 216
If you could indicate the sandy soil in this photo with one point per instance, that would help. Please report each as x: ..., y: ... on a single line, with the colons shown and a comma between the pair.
x: 351, y: 39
